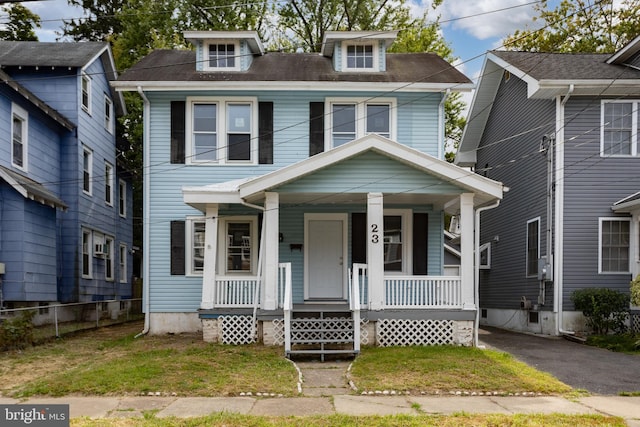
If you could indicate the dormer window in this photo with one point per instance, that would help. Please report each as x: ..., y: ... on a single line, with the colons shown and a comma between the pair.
x: 222, y: 55
x: 359, y: 57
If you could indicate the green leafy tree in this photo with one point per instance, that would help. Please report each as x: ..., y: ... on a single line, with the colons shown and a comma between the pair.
x: 21, y: 23
x: 101, y: 21
x: 579, y: 26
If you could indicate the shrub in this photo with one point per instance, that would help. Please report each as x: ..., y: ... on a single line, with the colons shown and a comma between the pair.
x: 635, y: 291
x: 605, y: 309
x: 17, y: 332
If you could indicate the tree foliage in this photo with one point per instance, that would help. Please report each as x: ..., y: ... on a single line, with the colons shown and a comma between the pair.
x: 598, y: 26
x: 102, y: 21
x: 21, y: 23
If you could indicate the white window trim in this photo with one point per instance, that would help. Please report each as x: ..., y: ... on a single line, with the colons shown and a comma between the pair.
x: 634, y: 126
x: 108, y: 180
x: 487, y: 265
x: 85, y: 78
x: 109, y: 258
x: 108, y: 114
x: 189, y: 228
x: 407, y: 240
x: 361, y: 116
x: 88, y: 151
x: 526, y: 247
x: 205, y: 55
x: 608, y: 219
x: 86, y: 231
x: 22, y: 114
x: 221, y: 130
x: 122, y: 263
x: 222, y: 245
x: 376, y: 56
x: 122, y: 198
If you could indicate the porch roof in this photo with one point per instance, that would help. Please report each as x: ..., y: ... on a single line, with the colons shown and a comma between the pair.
x: 628, y: 204
x: 252, y: 190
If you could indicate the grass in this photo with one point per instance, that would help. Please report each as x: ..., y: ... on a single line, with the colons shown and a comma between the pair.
x: 446, y: 368
x: 624, y: 343
x: 233, y: 420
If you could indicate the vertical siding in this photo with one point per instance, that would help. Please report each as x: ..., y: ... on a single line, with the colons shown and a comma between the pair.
x: 592, y: 185
x: 509, y: 148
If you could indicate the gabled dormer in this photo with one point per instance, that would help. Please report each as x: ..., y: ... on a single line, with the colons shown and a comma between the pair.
x: 224, y: 50
x: 358, y: 51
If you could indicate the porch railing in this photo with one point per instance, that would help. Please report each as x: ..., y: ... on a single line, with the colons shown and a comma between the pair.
x: 411, y: 291
x: 237, y: 292
x: 287, y: 302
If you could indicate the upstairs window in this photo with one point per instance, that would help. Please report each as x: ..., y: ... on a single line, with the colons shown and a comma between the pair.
x: 19, y: 137
x: 108, y: 184
x: 87, y: 170
x: 86, y: 93
x: 619, y: 128
x: 222, y: 56
x: 108, y: 114
x: 122, y: 200
x: 352, y: 120
x: 222, y: 131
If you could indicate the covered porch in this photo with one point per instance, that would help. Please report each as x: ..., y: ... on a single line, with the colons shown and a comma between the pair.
x: 344, y: 256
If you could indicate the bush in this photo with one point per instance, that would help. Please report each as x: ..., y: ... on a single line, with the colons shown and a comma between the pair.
x: 17, y: 332
x: 635, y: 291
x: 605, y: 309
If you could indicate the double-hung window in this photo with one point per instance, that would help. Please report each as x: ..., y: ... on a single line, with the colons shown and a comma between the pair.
x: 195, y: 245
x: 86, y: 93
x: 18, y: 137
x: 108, y: 114
x: 619, y: 128
x: 240, y: 244
x: 87, y: 170
x: 533, y: 246
x: 222, y: 131
x: 108, y: 258
x: 122, y: 266
x: 122, y: 200
x: 614, y: 245
x: 108, y: 184
x: 360, y: 57
x: 352, y: 119
x: 87, y: 250
x: 397, y: 224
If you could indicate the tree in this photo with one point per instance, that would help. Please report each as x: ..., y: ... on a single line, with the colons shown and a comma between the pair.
x: 21, y: 23
x: 599, y: 26
x: 101, y: 23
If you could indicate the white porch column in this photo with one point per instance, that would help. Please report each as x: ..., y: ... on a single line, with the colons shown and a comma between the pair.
x: 466, y: 250
x: 271, y: 242
x: 210, y: 255
x: 375, y: 250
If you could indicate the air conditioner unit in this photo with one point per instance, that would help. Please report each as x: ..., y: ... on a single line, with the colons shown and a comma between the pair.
x: 98, y: 249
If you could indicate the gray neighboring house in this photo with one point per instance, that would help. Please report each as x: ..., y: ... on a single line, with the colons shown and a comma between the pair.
x: 561, y: 131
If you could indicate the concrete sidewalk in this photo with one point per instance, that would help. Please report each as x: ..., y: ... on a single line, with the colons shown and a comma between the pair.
x: 357, y: 405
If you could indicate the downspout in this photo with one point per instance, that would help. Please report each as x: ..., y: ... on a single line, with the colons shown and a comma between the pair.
x: 146, y: 186
x: 476, y: 267
x: 559, y: 212
x: 260, y: 260
x: 441, y: 120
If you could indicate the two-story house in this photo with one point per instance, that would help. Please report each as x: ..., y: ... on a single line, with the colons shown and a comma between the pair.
x: 561, y: 131
x: 66, y: 207
x: 299, y: 198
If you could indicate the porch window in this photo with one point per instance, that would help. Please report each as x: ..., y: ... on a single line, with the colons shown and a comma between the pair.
x: 196, y: 262
x: 619, y: 128
x: 533, y: 246
x: 222, y: 131
x: 393, y: 243
x: 239, y: 250
x: 614, y: 245
x: 354, y: 119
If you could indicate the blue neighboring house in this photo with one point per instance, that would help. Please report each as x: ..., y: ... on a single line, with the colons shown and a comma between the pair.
x: 561, y: 131
x: 65, y: 204
x: 299, y: 199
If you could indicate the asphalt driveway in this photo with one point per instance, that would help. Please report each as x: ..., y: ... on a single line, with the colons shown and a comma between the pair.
x: 593, y: 369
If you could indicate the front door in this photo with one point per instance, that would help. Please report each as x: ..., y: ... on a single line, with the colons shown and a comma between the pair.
x: 325, y: 253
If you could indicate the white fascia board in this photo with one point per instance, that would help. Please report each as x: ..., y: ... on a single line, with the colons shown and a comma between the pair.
x: 626, y: 52
x: 532, y: 83
x: 551, y: 88
x: 298, y: 86
x: 250, y: 36
x: 13, y: 183
x: 96, y: 57
x: 202, y: 195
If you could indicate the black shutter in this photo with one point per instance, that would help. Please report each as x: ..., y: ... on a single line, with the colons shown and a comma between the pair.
x: 316, y: 128
x: 265, y: 133
x: 420, y: 243
x: 177, y: 248
x: 359, y: 237
x: 177, y: 131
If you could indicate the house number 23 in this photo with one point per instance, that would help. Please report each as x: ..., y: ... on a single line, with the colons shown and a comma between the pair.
x: 375, y: 237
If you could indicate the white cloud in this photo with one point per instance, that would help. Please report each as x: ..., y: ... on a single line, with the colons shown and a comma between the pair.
x: 51, y: 13
x: 479, y: 19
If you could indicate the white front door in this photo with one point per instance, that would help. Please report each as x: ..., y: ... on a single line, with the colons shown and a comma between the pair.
x: 325, y: 256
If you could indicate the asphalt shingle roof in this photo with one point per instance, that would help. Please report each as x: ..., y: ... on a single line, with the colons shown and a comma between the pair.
x: 567, y: 66
x: 179, y: 66
x: 19, y: 53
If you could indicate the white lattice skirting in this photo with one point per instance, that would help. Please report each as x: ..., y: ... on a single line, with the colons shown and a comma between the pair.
x: 635, y: 322
x: 404, y: 332
x: 278, y: 331
x: 237, y: 330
